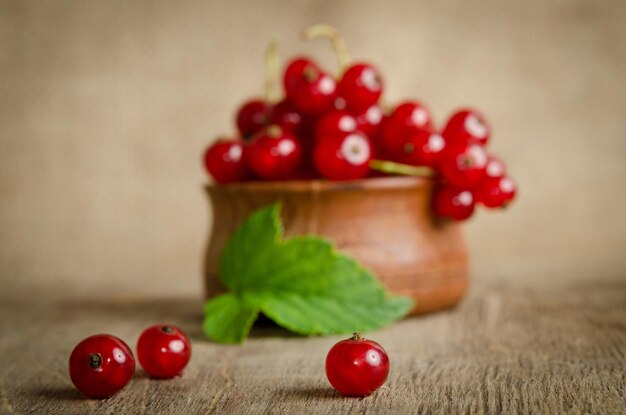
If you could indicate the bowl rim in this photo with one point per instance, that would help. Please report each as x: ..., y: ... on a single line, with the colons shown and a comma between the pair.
x: 373, y: 183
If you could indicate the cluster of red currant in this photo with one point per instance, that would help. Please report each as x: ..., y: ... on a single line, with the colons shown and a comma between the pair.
x: 102, y: 365
x: 336, y: 129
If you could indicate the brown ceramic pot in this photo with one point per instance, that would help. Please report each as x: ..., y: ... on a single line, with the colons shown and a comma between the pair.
x: 385, y: 223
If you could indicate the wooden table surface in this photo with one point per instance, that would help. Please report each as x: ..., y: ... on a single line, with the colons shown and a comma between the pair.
x: 544, y: 348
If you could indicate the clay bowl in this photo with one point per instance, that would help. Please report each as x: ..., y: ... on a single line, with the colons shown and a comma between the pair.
x: 385, y: 223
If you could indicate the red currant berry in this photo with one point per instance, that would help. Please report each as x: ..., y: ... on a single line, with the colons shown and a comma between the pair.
x: 369, y: 121
x: 360, y: 86
x: 224, y: 161
x: 335, y: 122
x: 467, y: 126
x: 295, y: 71
x: 274, y: 154
x: 356, y: 366
x: 453, y: 203
x: 163, y: 351
x: 285, y: 115
x: 377, y: 140
x: 464, y: 167
x: 408, y: 118
x: 252, y: 116
x: 313, y: 91
x: 495, y: 168
x: 306, y: 172
x: 101, y: 365
x: 496, y: 192
x: 413, y: 115
x: 343, y: 156
x: 423, y: 148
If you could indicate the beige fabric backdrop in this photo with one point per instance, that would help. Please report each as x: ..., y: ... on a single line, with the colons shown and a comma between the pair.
x: 106, y: 107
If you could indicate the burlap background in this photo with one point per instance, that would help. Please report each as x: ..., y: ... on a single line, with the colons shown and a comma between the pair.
x: 106, y: 107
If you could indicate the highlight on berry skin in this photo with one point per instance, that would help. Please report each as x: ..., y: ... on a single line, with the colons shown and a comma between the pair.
x: 317, y: 123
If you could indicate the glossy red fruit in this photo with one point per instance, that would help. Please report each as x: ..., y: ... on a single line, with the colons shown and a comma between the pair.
x: 407, y: 119
x: 464, y: 167
x: 356, y: 366
x: 423, y: 148
x: 413, y: 115
x: 274, y: 154
x: 294, y: 72
x: 467, y: 126
x: 310, y: 89
x: 360, y: 86
x: 225, y: 163
x: 377, y: 139
x: 335, y: 122
x: 285, y: 115
x: 101, y: 365
x: 343, y: 156
x: 369, y: 121
x: 252, y: 116
x: 495, y: 167
x: 306, y: 137
x: 495, y: 192
x: 453, y: 203
x: 163, y: 351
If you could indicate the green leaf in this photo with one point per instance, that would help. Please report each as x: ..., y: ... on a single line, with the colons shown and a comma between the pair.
x: 250, y: 247
x: 301, y: 283
x: 228, y: 319
x: 324, y: 315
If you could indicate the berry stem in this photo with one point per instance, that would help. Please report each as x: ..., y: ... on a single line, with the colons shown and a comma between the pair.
x: 356, y: 336
x: 336, y: 41
x: 402, y: 169
x: 271, y: 71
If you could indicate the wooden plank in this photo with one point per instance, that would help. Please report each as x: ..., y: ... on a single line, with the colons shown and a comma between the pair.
x: 507, y: 348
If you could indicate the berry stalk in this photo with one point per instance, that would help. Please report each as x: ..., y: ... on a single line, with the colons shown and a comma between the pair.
x: 336, y: 41
x: 402, y: 169
x: 271, y: 71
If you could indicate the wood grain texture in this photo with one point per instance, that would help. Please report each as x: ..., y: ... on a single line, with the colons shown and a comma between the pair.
x: 508, y: 348
x: 385, y: 223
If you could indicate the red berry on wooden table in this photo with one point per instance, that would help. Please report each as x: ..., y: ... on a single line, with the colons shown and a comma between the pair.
x: 224, y: 162
x: 356, y: 366
x: 163, y: 351
x: 101, y: 365
x: 274, y: 154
